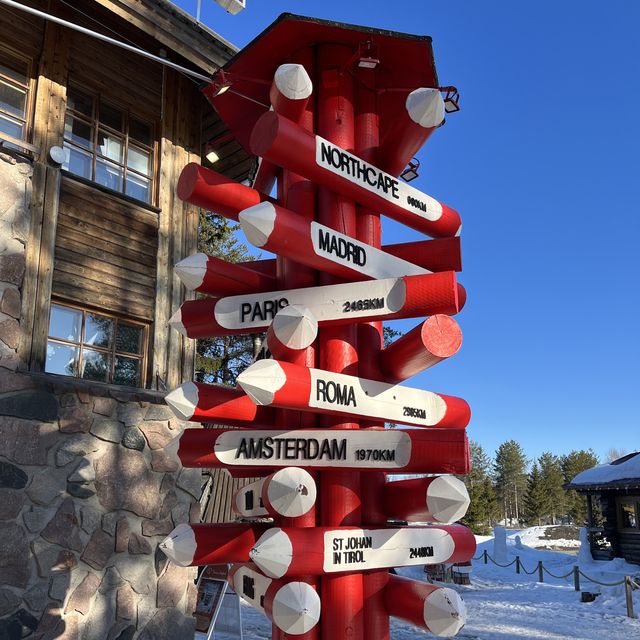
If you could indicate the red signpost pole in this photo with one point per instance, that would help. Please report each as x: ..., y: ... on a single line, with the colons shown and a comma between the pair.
x: 340, y: 500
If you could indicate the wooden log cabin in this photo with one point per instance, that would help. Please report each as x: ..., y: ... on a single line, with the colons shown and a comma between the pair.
x: 616, y: 487
x: 92, y: 141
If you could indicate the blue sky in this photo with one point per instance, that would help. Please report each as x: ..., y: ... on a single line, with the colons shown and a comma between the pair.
x: 542, y: 164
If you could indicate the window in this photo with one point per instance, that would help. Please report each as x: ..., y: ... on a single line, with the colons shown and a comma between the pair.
x: 96, y: 346
x: 108, y: 145
x: 15, y: 85
x: 629, y: 509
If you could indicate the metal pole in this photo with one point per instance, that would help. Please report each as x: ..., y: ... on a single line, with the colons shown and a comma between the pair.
x: 485, y: 556
x: 517, y: 564
x: 576, y: 578
x: 629, y: 596
x: 540, y: 572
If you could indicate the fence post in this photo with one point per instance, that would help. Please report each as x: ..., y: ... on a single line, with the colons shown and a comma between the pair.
x: 485, y: 556
x: 540, y: 572
x: 576, y: 578
x: 629, y: 596
x: 517, y: 564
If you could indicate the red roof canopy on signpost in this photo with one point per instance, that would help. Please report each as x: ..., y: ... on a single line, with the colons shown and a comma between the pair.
x: 405, y: 63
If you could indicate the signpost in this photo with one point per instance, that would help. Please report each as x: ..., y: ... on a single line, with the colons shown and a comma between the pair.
x: 350, y: 106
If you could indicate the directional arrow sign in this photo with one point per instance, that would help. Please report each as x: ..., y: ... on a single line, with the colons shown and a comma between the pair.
x: 290, y: 386
x: 215, y: 403
x: 390, y: 450
x: 190, y: 545
x: 288, y: 234
x: 434, y: 499
x: 296, y: 552
x: 294, y: 607
x: 440, y: 610
x: 290, y: 146
x: 288, y: 493
x: 336, y: 304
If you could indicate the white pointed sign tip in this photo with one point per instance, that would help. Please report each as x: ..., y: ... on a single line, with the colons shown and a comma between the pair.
x: 257, y: 223
x: 444, y: 612
x: 293, y: 81
x: 296, y: 608
x: 175, y: 322
x: 191, y: 270
x: 425, y: 107
x: 261, y: 380
x: 180, y: 545
x: 447, y: 499
x: 295, y: 326
x: 292, y: 492
x: 272, y: 553
x: 183, y: 400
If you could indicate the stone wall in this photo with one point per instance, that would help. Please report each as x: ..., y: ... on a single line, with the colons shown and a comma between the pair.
x: 86, y: 491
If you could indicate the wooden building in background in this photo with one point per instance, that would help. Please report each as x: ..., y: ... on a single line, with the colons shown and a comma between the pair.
x: 92, y: 141
x: 616, y: 488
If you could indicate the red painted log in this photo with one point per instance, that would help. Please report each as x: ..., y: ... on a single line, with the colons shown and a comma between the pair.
x: 208, y: 274
x: 289, y: 386
x: 439, y: 610
x: 190, y: 545
x: 249, y: 452
x: 294, y: 607
x: 214, y: 192
x: 436, y: 499
x: 289, y: 493
x: 274, y: 138
x: 436, y: 339
x: 332, y: 305
x: 422, y: 115
x: 286, y: 233
x: 287, y: 552
x: 293, y: 329
x: 215, y: 403
x: 218, y: 277
x: 290, y: 91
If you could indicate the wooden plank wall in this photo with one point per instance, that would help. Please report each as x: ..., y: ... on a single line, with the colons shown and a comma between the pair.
x: 21, y: 31
x: 105, y: 255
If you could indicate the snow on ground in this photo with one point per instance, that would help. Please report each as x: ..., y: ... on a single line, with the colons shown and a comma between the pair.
x: 503, y: 605
x: 537, y: 537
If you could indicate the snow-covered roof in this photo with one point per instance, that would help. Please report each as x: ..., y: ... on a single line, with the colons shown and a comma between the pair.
x: 623, y: 472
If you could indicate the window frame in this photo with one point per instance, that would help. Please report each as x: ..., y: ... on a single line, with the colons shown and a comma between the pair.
x: 96, y: 126
x: 7, y: 55
x: 635, y: 500
x: 143, y: 356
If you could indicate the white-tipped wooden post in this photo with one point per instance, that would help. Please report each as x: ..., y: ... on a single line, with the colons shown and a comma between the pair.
x: 288, y: 493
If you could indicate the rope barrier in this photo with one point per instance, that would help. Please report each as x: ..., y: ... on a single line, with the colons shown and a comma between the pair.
x: 485, y: 556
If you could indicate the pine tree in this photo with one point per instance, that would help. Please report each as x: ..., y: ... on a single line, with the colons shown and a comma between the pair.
x: 552, y: 481
x: 574, y: 463
x: 536, y: 503
x: 220, y: 360
x: 483, y: 509
x: 510, y: 473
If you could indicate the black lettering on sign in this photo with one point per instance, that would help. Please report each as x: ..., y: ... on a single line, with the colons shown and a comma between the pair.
x: 262, y: 311
x: 341, y: 248
x: 363, y: 305
x: 412, y: 412
x: 292, y: 449
x: 416, y: 204
x: 335, y: 393
x: 351, y: 557
x: 420, y: 552
x: 385, y: 455
x: 359, y: 542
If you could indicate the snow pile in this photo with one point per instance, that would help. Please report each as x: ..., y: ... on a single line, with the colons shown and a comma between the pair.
x: 546, y: 537
x: 627, y: 469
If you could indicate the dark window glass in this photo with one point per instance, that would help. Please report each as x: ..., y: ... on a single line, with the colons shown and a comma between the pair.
x: 78, y: 131
x: 127, y: 371
x: 80, y: 102
x: 629, y: 515
x: 96, y: 365
x: 129, y: 338
x: 111, y: 116
x: 98, y: 330
x: 13, y: 100
x: 140, y: 131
